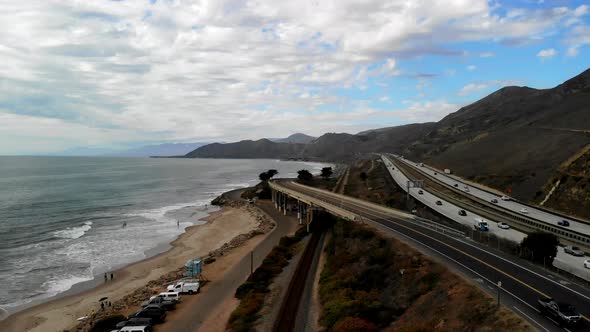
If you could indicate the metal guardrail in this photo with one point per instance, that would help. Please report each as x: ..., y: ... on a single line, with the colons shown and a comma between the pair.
x: 356, y: 217
x: 507, y: 215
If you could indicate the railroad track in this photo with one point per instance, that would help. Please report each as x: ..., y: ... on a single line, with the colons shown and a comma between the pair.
x: 285, y: 321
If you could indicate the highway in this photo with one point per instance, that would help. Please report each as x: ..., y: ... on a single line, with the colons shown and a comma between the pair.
x: 564, y: 261
x: 522, y: 283
x: 511, y: 205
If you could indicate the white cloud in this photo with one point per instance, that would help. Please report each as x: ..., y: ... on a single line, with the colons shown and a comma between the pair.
x: 472, y: 88
x: 487, y: 54
x: 471, y: 67
x: 547, y: 53
x: 181, y: 70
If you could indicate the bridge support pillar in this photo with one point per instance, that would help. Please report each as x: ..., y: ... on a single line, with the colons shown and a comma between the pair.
x: 285, y: 205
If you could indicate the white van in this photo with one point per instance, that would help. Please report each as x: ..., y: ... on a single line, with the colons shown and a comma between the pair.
x: 185, y: 286
x: 170, y: 296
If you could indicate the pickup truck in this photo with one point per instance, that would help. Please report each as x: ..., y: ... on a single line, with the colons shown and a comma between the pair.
x: 185, y: 286
x: 562, y: 312
x: 162, y: 302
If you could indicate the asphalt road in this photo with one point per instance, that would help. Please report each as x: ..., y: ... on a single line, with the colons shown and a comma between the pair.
x: 564, y: 261
x: 196, y: 308
x: 488, y: 196
x: 522, y: 283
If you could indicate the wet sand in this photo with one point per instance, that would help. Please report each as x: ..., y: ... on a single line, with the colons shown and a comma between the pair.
x: 61, y: 313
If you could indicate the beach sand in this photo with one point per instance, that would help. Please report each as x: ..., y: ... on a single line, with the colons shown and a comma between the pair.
x: 61, y: 313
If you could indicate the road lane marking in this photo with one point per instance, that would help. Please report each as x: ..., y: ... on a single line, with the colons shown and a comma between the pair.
x: 371, y: 213
x: 530, y: 318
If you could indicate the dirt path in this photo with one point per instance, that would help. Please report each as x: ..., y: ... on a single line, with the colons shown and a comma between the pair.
x: 210, y: 310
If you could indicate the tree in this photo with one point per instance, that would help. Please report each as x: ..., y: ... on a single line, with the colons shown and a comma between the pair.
x: 265, y: 176
x: 540, y: 247
x: 364, y: 176
x: 304, y: 175
x: 326, y: 172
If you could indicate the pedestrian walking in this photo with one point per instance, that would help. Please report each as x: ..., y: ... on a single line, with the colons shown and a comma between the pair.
x: 177, y: 223
x: 112, y: 276
x: 105, y: 277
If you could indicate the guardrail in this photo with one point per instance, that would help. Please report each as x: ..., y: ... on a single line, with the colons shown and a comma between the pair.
x: 507, y: 215
x: 356, y: 217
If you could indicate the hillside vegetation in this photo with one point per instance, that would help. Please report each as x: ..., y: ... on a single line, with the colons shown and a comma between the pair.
x: 372, y: 283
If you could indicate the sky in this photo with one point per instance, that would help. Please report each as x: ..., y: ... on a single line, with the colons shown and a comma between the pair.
x: 117, y: 74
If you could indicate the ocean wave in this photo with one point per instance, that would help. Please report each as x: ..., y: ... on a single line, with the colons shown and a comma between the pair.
x: 159, y: 214
x: 74, y: 232
x: 237, y: 185
x: 58, y: 285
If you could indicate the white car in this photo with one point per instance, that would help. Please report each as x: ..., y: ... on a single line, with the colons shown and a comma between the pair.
x: 587, y: 263
x: 505, y: 198
x: 170, y: 296
x: 524, y: 211
x: 503, y: 225
x: 136, y: 329
x: 185, y: 286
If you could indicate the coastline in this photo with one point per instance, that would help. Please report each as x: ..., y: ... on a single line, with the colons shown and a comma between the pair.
x: 61, y: 311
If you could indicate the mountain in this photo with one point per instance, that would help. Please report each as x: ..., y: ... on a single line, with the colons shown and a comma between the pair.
x: 295, y: 138
x: 162, y: 150
x: 516, y: 138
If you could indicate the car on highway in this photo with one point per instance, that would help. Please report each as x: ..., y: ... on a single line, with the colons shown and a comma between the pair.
x: 438, y: 203
x: 503, y: 225
x: 573, y: 250
x: 505, y: 198
x: 462, y: 213
x: 524, y: 211
x: 562, y: 312
x: 587, y: 263
x: 457, y: 185
x: 563, y: 223
x: 465, y: 188
x: 495, y: 201
x: 420, y: 192
x: 435, y: 173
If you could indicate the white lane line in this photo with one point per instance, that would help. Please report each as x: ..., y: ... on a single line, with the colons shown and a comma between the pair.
x: 455, y: 261
x: 524, y: 268
x: 530, y: 318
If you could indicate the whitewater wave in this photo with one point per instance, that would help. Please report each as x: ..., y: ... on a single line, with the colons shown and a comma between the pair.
x: 74, y: 232
x: 159, y: 214
x: 58, y: 285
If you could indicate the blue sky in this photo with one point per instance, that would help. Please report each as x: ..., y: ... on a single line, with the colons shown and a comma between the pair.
x: 117, y: 74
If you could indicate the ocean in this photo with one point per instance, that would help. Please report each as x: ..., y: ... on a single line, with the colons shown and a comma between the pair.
x: 65, y: 220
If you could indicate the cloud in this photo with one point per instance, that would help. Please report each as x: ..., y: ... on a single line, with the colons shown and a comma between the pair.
x: 547, y: 53
x: 472, y: 88
x: 178, y: 70
x: 471, y: 67
x: 487, y: 54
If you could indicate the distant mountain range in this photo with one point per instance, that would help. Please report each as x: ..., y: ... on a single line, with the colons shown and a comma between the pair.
x: 295, y: 138
x: 517, y: 137
x: 163, y: 150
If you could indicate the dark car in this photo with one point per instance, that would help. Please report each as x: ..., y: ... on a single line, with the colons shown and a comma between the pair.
x: 155, y: 312
x: 462, y: 213
x: 495, y: 201
x: 563, y: 223
x: 420, y: 192
x: 135, y: 321
x: 456, y: 185
x: 438, y: 203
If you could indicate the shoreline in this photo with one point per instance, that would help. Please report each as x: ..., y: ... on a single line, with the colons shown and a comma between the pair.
x: 97, y: 279
x: 62, y: 310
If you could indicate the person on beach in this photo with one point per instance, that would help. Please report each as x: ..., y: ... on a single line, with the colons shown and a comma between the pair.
x: 105, y: 278
x: 177, y: 223
x: 112, y: 276
x: 124, y: 224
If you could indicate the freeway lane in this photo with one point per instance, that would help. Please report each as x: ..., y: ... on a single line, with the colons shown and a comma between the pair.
x: 525, y: 283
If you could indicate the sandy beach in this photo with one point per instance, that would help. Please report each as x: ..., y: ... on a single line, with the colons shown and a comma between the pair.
x: 60, y: 314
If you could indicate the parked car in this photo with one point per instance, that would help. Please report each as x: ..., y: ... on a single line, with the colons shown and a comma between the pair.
x: 462, y: 213
x: 562, y: 312
x: 136, y: 329
x: 160, y: 301
x: 495, y: 201
x: 134, y: 321
x: 187, y: 286
x: 171, y: 296
x: 587, y: 263
x: 524, y: 211
x: 505, y: 198
x: 563, y: 223
x: 503, y: 225
x: 420, y: 192
x: 438, y: 203
x: 155, y: 312
x: 573, y: 250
